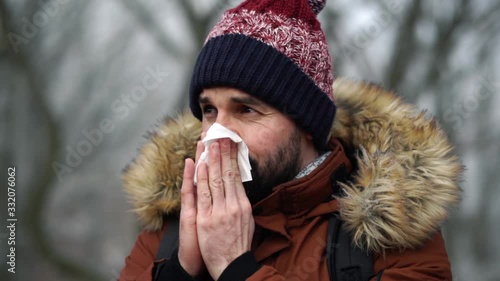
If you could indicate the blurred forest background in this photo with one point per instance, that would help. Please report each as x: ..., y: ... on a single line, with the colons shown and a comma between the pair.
x: 72, y: 71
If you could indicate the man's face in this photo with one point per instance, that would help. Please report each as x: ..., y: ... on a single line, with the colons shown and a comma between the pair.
x: 276, y: 145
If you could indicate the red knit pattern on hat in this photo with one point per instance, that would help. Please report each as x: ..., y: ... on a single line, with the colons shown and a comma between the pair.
x: 296, y: 38
x: 298, y: 9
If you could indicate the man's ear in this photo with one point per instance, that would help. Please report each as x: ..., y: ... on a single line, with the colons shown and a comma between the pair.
x: 309, y: 137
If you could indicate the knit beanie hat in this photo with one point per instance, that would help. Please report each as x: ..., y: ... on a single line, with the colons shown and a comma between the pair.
x: 276, y: 51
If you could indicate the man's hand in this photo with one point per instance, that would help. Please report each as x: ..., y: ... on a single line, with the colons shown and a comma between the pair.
x: 189, y: 251
x: 225, y: 223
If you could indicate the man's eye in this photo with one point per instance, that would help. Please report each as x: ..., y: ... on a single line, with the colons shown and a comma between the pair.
x: 208, y: 109
x: 246, y: 109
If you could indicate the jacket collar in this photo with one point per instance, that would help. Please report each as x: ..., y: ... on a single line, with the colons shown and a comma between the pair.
x: 303, y: 194
x: 293, y: 203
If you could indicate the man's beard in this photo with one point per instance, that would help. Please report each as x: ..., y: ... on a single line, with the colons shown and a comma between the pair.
x: 280, y: 167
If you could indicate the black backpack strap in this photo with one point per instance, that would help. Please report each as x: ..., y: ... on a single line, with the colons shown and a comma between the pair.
x: 345, y: 261
x: 168, y: 244
x: 170, y: 239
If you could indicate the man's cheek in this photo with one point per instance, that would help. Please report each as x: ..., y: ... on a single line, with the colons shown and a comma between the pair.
x: 261, y: 135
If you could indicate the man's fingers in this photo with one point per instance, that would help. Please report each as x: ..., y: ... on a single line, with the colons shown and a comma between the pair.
x: 234, y: 161
x: 239, y: 189
x: 189, y: 253
x: 215, y: 181
x: 204, y: 198
x: 229, y: 171
x: 187, y: 188
x: 187, y: 225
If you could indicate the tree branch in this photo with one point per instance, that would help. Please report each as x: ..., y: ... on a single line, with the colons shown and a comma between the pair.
x: 405, y: 47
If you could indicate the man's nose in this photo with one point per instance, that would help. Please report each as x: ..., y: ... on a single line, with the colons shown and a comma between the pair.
x: 226, y: 120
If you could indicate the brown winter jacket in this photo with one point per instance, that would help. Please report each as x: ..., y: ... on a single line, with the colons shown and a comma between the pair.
x: 401, y: 191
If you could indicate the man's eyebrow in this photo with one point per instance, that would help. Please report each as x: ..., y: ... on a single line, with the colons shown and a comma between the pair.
x: 204, y: 99
x: 246, y: 100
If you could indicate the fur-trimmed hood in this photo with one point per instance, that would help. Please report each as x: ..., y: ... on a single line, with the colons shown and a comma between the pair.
x: 405, y: 186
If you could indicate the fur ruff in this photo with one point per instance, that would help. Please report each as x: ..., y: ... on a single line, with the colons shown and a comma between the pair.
x: 405, y: 187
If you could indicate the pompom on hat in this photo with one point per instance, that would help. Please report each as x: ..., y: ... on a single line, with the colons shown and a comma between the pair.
x: 276, y: 51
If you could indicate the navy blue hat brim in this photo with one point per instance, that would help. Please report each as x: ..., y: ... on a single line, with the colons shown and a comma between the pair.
x: 245, y: 63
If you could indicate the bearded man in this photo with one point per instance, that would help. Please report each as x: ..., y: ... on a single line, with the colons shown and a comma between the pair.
x: 265, y: 74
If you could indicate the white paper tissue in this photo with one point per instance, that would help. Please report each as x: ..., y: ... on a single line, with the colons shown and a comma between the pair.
x: 217, y: 131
